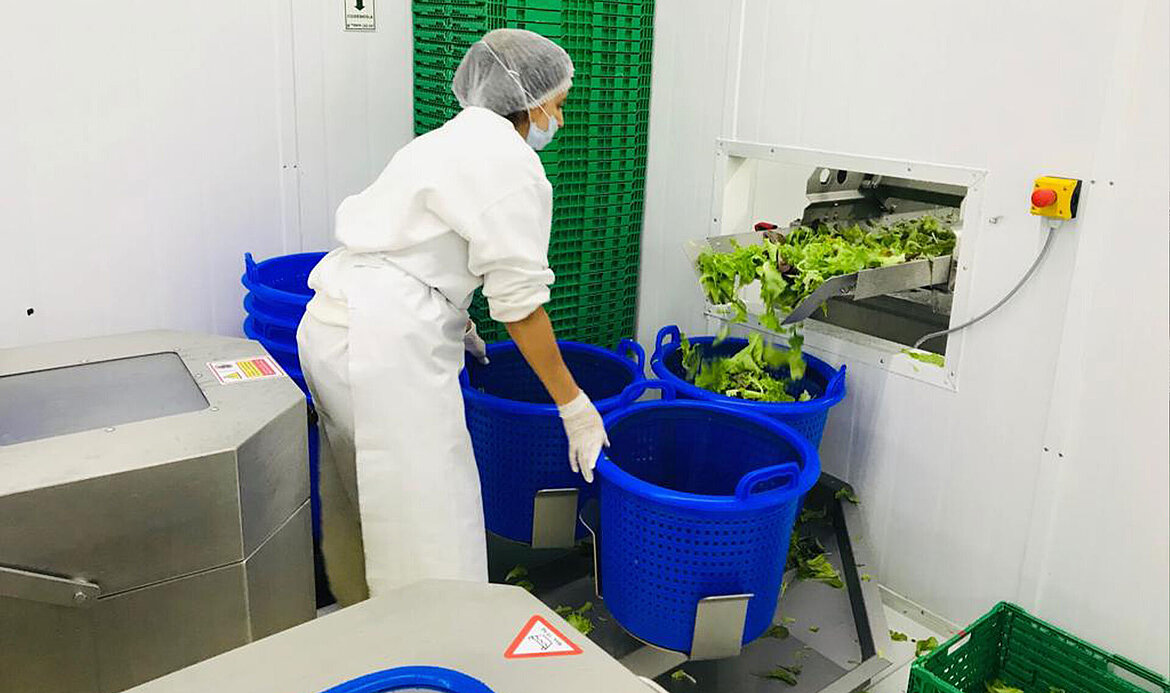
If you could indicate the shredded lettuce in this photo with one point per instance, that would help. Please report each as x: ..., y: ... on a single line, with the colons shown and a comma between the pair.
x: 793, y: 267
x: 759, y: 372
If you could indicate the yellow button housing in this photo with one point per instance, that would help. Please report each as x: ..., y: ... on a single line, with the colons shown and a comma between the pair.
x: 1068, y: 193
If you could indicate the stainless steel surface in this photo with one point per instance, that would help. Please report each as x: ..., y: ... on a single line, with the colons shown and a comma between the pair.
x: 47, y: 589
x: 146, y: 633
x: 194, y: 526
x: 68, y: 399
x: 652, y: 662
x: 591, y: 519
x: 268, y: 492
x: 864, y: 591
x: 893, y: 318
x: 554, y: 519
x: 870, y: 283
x: 838, y: 195
x: 719, y: 625
x: 129, y: 530
x: 462, y: 626
x: 281, y: 592
x: 235, y: 414
x: 880, y: 281
x: 858, y: 678
x: 908, y: 275
x: 143, y: 634
x: 835, y: 287
x: 44, y: 647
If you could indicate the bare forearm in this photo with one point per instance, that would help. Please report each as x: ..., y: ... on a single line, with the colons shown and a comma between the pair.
x: 537, y: 342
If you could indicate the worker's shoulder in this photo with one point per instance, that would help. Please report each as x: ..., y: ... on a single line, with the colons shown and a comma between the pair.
x: 478, y: 144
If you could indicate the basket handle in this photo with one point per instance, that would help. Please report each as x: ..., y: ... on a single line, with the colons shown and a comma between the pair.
x: 660, y: 343
x: 836, y: 383
x: 628, y: 347
x: 790, y: 471
x: 633, y: 392
x: 250, y: 267
x: 402, y: 678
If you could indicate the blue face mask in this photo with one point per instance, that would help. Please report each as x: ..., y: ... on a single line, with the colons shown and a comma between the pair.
x: 538, y: 139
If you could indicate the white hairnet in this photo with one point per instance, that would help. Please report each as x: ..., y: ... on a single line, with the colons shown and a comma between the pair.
x: 511, y: 70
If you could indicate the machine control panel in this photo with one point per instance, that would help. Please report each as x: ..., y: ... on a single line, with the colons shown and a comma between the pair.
x: 1056, y: 198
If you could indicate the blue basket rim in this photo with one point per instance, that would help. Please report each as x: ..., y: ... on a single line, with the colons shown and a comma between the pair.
x: 271, y: 293
x: 263, y: 316
x: 399, y: 678
x: 823, y: 403
x: 472, y: 395
x: 809, y: 473
x: 270, y: 346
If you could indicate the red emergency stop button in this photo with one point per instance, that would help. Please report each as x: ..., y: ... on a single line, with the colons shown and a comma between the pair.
x: 1043, y: 197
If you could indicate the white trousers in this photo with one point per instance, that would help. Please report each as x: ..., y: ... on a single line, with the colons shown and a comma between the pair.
x: 400, y: 497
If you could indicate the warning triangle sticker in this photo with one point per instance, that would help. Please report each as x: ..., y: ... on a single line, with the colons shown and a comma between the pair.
x: 538, y: 638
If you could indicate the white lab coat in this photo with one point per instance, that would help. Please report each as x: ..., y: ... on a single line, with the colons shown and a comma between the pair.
x: 381, y: 348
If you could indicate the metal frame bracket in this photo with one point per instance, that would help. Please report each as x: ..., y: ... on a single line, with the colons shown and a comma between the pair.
x: 47, y: 589
x: 719, y: 623
x: 554, y: 518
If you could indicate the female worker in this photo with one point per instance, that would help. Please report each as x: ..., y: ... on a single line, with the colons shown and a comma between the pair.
x: 382, y: 342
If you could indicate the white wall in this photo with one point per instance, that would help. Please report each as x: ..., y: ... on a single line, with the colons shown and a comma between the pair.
x: 146, y: 146
x: 1043, y: 480
x: 355, y: 106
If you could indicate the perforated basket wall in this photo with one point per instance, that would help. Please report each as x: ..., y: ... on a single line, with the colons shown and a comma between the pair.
x: 519, y: 440
x: 660, y: 557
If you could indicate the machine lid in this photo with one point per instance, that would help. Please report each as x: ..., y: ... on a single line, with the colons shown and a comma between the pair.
x: 89, y: 396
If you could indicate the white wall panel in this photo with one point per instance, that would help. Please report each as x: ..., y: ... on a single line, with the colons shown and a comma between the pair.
x: 965, y: 506
x: 140, y: 153
x: 354, y: 105
x: 147, y: 146
x: 690, y: 68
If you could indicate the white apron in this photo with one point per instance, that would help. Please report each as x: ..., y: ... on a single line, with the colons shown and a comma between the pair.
x: 394, y: 437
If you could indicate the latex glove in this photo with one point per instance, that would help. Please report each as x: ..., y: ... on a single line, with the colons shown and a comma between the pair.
x: 586, y: 434
x: 474, y: 344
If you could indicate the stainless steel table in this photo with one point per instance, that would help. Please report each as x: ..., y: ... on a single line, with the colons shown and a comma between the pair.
x: 466, y: 627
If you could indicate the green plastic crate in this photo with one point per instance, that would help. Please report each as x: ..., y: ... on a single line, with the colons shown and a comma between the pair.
x: 597, y: 164
x: 1011, y: 645
x: 539, y: 15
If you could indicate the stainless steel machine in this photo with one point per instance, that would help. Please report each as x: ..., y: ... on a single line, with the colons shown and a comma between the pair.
x: 154, y: 507
x: 786, y: 188
x: 500, y: 636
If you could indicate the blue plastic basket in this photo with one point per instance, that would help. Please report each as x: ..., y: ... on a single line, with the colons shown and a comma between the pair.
x: 314, y: 478
x: 519, y: 441
x: 413, y: 678
x: 697, y: 500
x: 284, y: 351
x: 279, y: 285
x: 825, y: 383
x: 278, y: 328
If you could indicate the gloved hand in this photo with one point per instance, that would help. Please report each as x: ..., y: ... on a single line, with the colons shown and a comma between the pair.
x: 474, y: 344
x: 586, y: 434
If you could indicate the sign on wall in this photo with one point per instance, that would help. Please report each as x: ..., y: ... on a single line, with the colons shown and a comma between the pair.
x: 359, y: 15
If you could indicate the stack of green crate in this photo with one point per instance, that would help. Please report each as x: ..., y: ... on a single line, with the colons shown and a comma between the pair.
x: 596, y: 163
